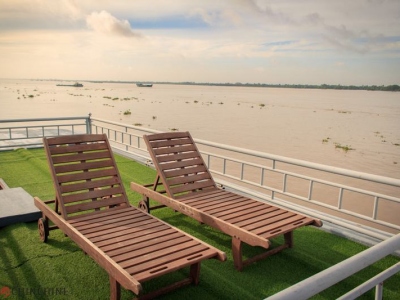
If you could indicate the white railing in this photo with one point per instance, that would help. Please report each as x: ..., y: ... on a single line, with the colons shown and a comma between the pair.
x: 249, y: 171
x: 327, y: 278
x: 244, y: 170
x: 29, y: 132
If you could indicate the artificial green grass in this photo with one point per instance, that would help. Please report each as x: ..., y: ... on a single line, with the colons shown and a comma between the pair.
x: 60, y: 266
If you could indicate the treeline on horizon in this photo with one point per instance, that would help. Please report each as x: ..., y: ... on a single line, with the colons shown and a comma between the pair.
x: 390, y: 88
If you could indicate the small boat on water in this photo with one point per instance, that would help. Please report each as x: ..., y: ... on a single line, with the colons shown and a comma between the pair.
x: 144, y: 84
x: 76, y: 84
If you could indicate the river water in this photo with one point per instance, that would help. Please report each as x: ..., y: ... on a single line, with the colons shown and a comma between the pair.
x: 312, y: 125
x: 299, y: 123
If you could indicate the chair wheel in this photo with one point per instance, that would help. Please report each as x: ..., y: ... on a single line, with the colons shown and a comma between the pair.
x: 143, y: 206
x: 43, y: 226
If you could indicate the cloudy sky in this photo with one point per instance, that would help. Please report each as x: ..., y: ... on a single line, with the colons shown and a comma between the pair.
x: 255, y: 41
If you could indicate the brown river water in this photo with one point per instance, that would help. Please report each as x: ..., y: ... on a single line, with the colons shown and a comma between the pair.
x: 312, y: 125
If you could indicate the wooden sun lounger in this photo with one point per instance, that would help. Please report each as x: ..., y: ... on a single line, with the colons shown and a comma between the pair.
x: 190, y: 189
x: 92, y: 208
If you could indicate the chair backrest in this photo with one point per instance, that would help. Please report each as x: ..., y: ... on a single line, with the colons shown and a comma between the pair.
x: 179, y: 163
x: 85, y: 175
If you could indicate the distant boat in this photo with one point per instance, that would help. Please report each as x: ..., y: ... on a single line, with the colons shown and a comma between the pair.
x: 76, y: 84
x: 144, y: 84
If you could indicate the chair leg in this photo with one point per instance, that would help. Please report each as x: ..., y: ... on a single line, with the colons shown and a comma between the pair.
x: 238, y: 257
x: 289, y: 239
x: 195, y: 273
x: 115, y: 289
x: 144, y: 204
x: 237, y: 253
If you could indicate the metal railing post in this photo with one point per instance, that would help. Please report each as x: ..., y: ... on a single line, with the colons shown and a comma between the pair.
x: 89, y: 124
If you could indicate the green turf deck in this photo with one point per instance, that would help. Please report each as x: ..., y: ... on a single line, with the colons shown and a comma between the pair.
x: 29, y: 267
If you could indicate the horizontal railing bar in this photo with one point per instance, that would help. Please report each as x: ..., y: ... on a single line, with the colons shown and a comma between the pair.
x: 370, y: 284
x: 325, y: 279
x: 44, y: 126
x: 25, y: 145
x: 42, y: 119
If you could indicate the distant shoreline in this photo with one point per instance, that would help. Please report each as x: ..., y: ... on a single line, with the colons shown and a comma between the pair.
x: 386, y: 88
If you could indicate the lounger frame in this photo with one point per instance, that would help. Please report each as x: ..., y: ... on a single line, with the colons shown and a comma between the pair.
x: 91, y: 207
x: 185, y: 184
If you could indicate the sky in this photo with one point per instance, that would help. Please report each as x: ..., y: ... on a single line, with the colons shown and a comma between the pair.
x: 249, y: 41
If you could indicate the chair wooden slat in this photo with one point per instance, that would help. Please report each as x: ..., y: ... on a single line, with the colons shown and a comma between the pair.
x: 175, y: 149
x: 187, y: 179
x: 73, y: 148
x: 84, y: 185
x: 72, y: 167
x: 64, y: 178
x: 80, y: 157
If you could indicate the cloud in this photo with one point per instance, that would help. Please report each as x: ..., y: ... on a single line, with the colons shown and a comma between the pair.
x: 106, y: 23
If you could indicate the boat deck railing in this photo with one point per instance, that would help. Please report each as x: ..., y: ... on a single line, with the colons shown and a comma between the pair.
x: 323, y: 191
x: 327, y: 278
x: 318, y: 190
x: 29, y: 132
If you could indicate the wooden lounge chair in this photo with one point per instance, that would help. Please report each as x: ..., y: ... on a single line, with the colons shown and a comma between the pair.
x: 92, y: 208
x: 190, y: 189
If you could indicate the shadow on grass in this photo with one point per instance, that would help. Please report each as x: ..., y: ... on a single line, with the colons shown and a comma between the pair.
x: 12, y: 257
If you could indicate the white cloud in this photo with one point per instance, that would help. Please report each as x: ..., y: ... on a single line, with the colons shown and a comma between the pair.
x: 104, y: 22
x: 235, y: 40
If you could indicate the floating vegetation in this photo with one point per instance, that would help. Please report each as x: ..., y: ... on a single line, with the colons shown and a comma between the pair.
x: 345, y: 148
x: 116, y: 98
x: 127, y: 112
x: 154, y: 117
x: 31, y: 96
x: 396, y: 144
x: 344, y: 112
x: 326, y: 140
x: 262, y: 105
x: 195, y: 101
x: 221, y: 103
x: 174, y: 129
x: 107, y: 97
x: 138, y: 124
